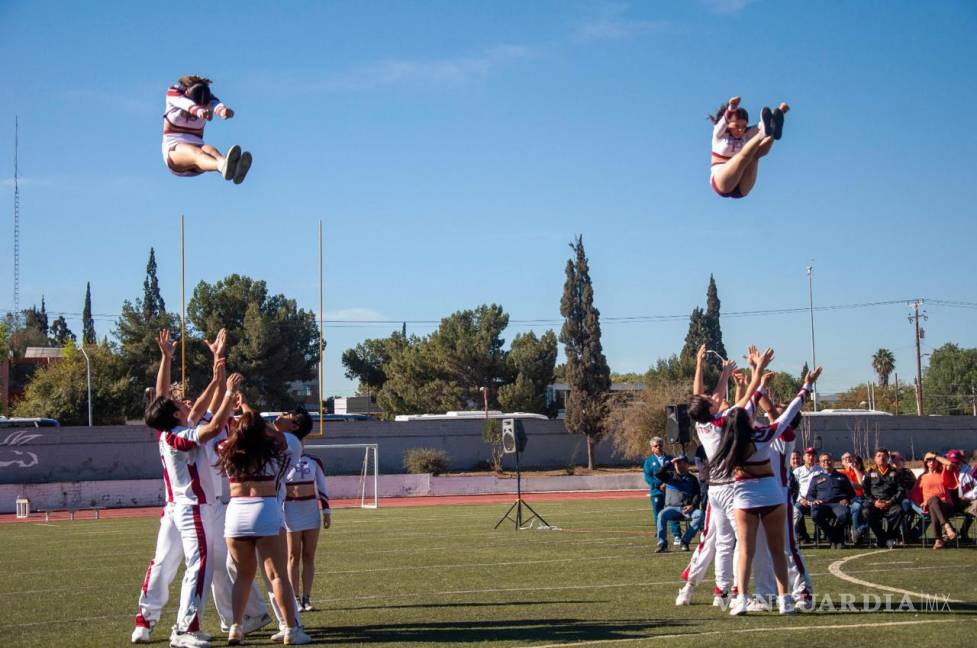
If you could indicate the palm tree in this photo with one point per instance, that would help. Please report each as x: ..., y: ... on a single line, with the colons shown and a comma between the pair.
x: 884, y: 363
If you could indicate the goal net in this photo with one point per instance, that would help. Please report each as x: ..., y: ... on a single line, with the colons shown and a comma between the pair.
x: 352, y: 471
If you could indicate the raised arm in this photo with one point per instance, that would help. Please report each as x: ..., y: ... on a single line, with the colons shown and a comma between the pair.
x: 209, y: 430
x: 722, y: 385
x: 765, y: 401
x: 760, y: 362
x: 210, y: 400
x: 789, y: 412
x: 697, y: 381
x: 166, y: 348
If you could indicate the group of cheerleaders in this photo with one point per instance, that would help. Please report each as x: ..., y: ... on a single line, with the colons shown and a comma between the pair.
x: 736, y: 146
x: 748, y: 520
x: 270, y: 524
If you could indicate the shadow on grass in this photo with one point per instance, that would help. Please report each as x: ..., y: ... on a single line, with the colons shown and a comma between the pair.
x: 460, y: 605
x: 521, y: 630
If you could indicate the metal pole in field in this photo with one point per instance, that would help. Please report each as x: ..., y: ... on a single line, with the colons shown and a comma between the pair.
x: 183, y: 308
x: 814, y: 357
x: 322, y: 417
x: 919, y: 359
x: 88, y: 374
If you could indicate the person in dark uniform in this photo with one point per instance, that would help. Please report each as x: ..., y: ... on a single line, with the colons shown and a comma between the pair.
x: 884, y: 493
x: 831, y: 494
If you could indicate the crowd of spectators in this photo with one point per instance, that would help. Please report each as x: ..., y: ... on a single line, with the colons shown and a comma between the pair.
x: 885, y: 501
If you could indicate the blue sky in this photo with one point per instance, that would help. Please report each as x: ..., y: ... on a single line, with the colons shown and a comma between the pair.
x: 453, y: 149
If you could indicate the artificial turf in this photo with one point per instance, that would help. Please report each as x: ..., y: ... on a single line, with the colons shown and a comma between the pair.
x: 442, y: 575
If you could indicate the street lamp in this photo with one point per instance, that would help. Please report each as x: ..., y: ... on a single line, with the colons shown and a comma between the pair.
x: 88, y: 372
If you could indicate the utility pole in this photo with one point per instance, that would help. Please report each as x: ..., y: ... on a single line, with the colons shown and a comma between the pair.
x: 897, y: 393
x: 814, y: 357
x: 914, y: 318
x: 16, y: 226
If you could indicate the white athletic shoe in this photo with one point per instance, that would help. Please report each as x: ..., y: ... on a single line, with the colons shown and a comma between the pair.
x: 280, y: 635
x: 189, y: 640
x: 758, y: 604
x: 684, y: 595
x: 243, y: 165
x: 235, y: 636
x: 786, y: 604
x: 255, y: 623
x: 739, y: 606
x: 140, y: 634
x: 296, y: 636
x: 804, y: 601
x: 720, y: 599
x: 229, y: 167
x: 306, y: 605
x: 677, y: 541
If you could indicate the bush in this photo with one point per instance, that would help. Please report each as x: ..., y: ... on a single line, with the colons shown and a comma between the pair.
x: 418, y: 461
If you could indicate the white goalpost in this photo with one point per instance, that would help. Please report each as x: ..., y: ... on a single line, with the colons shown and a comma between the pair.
x: 368, y: 486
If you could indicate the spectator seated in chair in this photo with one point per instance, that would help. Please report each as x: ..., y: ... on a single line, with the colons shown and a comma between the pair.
x: 656, y: 489
x: 804, y: 474
x: 910, y: 509
x: 884, y: 494
x: 681, y: 501
x: 853, y: 467
x: 932, y: 493
x: 830, y: 495
x: 967, y: 492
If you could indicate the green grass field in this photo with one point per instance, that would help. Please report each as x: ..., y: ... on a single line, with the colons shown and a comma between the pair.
x: 440, y: 575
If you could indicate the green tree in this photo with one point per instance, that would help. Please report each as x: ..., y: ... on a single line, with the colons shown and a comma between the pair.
x: 366, y: 361
x: 59, y: 389
x: 587, y: 372
x: 950, y: 380
x: 60, y: 333
x: 88, y: 324
x: 884, y: 363
x: 633, y: 419
x: 136, y: 330
x: 36, y: 319
x: 532, y: 360
x: 446, y: 370
x: 270, y: 339
x: 714, y: 331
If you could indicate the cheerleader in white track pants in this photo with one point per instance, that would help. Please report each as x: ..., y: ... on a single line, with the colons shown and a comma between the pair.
x: 183, y: 521
x: 255, y: 458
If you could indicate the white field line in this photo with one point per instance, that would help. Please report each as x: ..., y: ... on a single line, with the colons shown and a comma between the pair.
x: 835, y: 570
x: 689, y: 635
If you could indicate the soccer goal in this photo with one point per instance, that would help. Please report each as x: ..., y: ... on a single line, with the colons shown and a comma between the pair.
x: 341, y: 460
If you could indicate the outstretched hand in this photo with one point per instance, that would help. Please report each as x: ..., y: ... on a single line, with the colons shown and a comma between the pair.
x: 166, y: 346
x: 812, y: 377
x: 739, y: 377
x: 729, y: 366
x: 227, y: 113
x: 766, y: 378
x: 700, y: 355
x: 759, y: 361
x: 234, y: 382
x: 734, y: 103
x: 219, y: 345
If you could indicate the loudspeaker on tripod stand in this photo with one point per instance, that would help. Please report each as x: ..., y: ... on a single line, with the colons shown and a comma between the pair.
x: 513, y: 436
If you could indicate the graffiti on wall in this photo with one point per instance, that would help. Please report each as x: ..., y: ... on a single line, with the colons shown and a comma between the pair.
x: 11, y: 458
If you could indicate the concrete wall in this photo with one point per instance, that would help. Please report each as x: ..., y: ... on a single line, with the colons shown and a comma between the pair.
x: 79, y: 454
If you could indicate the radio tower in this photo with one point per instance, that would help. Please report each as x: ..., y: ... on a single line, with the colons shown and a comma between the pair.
x: 16, y: 231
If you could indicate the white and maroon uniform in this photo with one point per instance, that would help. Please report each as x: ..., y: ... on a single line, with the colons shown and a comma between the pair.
x: 724, y: 145
x: 224, y: 571
x: 718, y: 537
x: 183, y: 123
x: 181, y: 527
x: 757, y: 487
x: 302, y: 511
x: 763, y: 575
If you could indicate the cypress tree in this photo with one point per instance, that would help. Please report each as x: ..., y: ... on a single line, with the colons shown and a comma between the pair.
x: 587, y: 372
x: 711, y: 323
x: 152, y: 301
x: 88, y: 324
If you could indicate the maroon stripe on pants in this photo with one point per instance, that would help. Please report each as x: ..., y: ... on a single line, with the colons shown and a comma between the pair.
x: 198, y: 525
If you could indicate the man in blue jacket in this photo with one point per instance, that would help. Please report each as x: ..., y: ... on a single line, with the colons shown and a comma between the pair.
x: 830, y: 494
x: 653, y: 463
x: 682, y: 495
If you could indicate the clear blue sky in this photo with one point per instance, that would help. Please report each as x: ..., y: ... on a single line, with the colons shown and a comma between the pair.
x: 453, y: 149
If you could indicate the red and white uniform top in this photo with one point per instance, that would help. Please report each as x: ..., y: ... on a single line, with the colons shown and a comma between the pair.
x: 210, y: 474
x: 184, y: 116
x: 183, y: 460
x: 308, y: 470
x: 759, y: 465
x: 724, y: 145
x: 710, y: 433
x: 274, y: 470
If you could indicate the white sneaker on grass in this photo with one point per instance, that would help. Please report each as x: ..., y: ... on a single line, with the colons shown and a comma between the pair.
x: 786, y: 604
x: 280, y: 635
x: 140, y: 634
x: 720, y: 598
x: 235, y: 636
x: 684, y: 595
x: 739, y: 606
x: 189, y: 640
x: 296, y: 636
x: 758, y: 604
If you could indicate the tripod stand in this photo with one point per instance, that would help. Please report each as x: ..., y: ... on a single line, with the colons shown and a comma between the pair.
x: 519, y: 504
